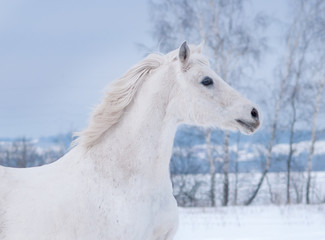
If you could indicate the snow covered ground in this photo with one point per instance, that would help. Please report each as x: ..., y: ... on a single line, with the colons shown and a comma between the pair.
x: 295, y: 222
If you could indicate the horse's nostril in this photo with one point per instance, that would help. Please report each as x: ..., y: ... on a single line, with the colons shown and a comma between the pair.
x: 254, y: 113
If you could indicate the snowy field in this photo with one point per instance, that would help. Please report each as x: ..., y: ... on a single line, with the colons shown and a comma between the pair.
x: 295, y: 222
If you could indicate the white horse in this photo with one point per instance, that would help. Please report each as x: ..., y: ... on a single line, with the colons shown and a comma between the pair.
x: 114, y: 184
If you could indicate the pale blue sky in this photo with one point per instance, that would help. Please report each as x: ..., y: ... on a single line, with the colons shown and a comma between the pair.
x: 56, y: 57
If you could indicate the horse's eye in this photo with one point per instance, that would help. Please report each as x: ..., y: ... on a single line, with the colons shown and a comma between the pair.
x: 207, y: 81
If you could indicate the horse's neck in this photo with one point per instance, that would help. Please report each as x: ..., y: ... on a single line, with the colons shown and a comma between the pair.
x: 141, y: 143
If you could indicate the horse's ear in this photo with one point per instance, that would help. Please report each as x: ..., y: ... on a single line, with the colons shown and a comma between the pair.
x: 184, y: 53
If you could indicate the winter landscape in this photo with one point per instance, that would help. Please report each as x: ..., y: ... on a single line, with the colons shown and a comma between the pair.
x: 267, y: 218
x: 57, y: 58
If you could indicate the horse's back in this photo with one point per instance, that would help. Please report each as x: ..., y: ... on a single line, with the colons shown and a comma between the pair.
x: 19, y: 180
x: 31, y: 198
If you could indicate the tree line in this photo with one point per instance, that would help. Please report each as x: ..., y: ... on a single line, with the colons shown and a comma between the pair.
x: 24, y: 152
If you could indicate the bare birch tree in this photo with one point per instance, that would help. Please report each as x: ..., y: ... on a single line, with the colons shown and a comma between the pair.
x: 300, y: 32
x: 236, y: 169
x: 297, y: 42
x: 274, y: 126
x: 319, y: 95
x: 212, y: 168
x: 317, y: 80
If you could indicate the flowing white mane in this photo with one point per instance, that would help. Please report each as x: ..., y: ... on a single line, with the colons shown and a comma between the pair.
x: 118, y: 97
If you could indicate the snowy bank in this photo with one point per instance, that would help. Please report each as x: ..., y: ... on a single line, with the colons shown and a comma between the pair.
x: 296, y: 222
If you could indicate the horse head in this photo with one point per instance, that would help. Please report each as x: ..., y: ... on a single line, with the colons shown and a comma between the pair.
x: 205, y: 99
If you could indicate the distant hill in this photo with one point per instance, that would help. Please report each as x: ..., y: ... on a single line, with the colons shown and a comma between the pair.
x: 251, y: 154
x: 189, y: 154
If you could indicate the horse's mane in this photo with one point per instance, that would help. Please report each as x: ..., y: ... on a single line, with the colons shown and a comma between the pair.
x: 120, y: 94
